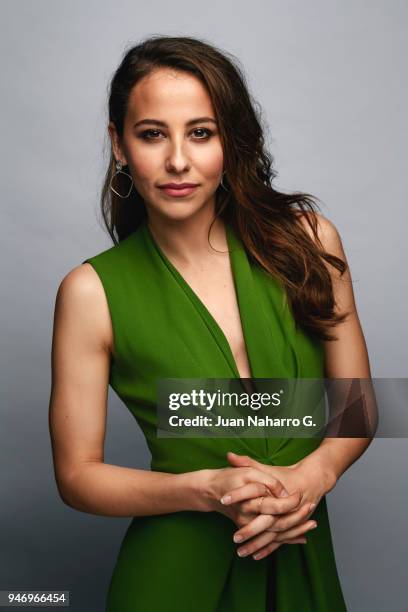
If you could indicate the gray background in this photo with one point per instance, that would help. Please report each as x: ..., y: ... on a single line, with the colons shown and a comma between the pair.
x: 329, y: 76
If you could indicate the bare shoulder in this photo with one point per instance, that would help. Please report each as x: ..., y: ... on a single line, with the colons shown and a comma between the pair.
x: 327, y: 232
x: 81, y: 299
x: 80, y: 288
x: 80, y: 281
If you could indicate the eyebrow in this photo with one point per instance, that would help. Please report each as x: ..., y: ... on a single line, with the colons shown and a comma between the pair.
x: 163, y: 124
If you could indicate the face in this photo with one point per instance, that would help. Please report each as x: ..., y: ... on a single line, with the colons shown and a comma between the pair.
x: 164, y: 142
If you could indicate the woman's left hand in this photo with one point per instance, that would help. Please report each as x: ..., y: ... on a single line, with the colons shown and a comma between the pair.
x: 267, y: 531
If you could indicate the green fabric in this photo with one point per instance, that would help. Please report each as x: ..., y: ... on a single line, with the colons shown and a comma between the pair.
x: 187, y: 561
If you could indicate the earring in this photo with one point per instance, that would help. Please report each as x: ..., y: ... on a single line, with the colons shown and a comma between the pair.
x: 221, y: 183
x: 120, y: 171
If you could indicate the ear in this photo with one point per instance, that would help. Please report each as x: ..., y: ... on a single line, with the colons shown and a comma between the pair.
x: 116, y: 144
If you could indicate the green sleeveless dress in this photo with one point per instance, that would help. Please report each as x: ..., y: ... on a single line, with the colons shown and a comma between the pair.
x: 187, y: 561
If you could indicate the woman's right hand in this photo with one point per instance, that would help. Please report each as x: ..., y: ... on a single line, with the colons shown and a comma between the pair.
x: 218, y: 481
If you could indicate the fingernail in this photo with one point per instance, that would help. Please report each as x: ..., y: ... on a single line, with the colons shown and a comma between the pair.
x: 238, y: 538
x: 312, y: 507
x: 313, y: 526
x: 225, y: 499
x: 284, y: 494
x: 242, y: 552
x: 256, y: 556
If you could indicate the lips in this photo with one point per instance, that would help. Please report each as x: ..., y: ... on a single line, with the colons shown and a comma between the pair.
x: 177, y: 185
x: 178, y: 190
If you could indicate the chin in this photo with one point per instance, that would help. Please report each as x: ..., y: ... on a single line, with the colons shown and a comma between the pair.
x: 181, y: 210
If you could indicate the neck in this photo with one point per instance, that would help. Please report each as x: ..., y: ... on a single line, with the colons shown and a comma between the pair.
x: 188, y: 241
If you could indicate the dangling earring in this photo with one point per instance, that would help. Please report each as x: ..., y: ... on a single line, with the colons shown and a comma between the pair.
x: 120, y: 171
x: 221, y: 183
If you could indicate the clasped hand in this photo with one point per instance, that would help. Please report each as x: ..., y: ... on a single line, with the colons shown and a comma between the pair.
x: 271, y: 505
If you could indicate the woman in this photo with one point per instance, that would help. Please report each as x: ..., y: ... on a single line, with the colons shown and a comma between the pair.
x: 205, y: 252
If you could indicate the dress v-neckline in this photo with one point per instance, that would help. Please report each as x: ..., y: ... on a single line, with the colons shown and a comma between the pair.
x: 210, y: 319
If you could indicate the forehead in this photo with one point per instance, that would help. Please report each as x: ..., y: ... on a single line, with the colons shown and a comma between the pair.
x: 166, y: 94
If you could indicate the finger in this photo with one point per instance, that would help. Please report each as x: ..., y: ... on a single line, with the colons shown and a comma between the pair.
x: 242, y: 517
x: 292, y: 519
x: 258, y: 525
x: 262, y: 541
x: 275, y: 486
x: 295, y: 541
x: 272, y: 485
x: 247, y: 491
x: 267, y: 550
x: 255, y: 544
x: 272, y: 505
x: 276, y: 505
x: 248, y: 507
x: 296, y: 531
x: 242, y: 460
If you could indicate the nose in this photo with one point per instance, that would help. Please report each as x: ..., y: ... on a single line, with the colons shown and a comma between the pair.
x: 177, y: 160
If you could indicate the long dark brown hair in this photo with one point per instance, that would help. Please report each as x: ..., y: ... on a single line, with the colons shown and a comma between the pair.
x: 265, y: 220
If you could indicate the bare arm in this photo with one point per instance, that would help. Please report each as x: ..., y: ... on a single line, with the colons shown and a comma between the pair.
x: 81, y: 344
x: 346, y: 357
x: 81, y: 348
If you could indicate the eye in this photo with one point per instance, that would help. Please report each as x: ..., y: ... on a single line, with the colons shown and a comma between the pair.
x: 145, y: 134
x: 206, y: 130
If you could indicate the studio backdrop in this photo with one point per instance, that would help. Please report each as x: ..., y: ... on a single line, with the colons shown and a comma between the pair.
x: 330, y: 81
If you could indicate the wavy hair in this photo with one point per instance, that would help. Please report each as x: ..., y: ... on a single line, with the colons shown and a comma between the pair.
x: 265, y: 219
